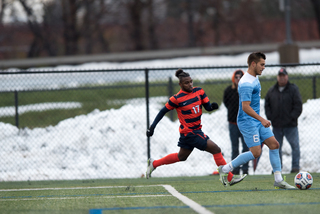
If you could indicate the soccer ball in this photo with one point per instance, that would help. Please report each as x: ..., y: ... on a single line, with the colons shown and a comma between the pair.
x: 303, y: 180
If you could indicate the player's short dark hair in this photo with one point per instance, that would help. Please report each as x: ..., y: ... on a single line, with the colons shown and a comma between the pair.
x: 255, y: 57
x: 181, y: 74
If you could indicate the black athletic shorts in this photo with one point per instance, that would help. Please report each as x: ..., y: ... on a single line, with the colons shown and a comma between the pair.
x: 193, y: 139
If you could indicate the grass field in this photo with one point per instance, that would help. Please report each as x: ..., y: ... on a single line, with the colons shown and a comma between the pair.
x: 203, y: 194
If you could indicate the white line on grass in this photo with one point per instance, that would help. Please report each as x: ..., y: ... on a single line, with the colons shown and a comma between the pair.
x: 62, y: 198
x: 195, y: 206
x: 100, y: 187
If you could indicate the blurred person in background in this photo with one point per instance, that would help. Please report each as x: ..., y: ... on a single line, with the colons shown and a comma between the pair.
x: 188, y: 103
x: 231, y: 101
x: 283, y: 106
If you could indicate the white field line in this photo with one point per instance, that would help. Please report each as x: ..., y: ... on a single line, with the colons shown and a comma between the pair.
x: 193, y: 205
x: 69, y: 188
x: 75, y: 198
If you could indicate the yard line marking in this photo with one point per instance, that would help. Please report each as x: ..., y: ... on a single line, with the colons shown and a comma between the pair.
x: 193, y: 205
x: 110, y: 197
x: 106, y: 187
x: 99, y: 187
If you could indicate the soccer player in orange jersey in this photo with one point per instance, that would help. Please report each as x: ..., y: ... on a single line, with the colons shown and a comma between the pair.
x: 188, y: 103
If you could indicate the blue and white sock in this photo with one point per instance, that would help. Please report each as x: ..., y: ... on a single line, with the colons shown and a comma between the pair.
x: 275, y: 160
x: 238, y: 161
x: 276, y: 164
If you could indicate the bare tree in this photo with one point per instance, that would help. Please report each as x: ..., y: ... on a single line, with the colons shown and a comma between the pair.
x: 70, y: 27
x: 135, y: 8
x: 41, y: 39
x: 153, y: 43
x: 3, y: 5
x: 316, y: 7
x: 216, y: 20
x: 92, y: 30
x: 102, y: 11
x: 88, y: 26
x: 190, y: 17
x: 74, y: 25
x: 70, y: 30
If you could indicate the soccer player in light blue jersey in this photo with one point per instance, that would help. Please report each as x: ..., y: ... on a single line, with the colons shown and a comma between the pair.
x: 254, y: 128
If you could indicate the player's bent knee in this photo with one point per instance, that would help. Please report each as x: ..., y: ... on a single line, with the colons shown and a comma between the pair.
x: 256, y: 154
x: 183, y: 158
x: 216, y: 150
x: 274, y: 145
x: 212, y: 147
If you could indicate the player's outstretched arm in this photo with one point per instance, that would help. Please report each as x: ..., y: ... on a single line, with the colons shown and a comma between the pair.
x: 210, y: 107
x: 159, y: 116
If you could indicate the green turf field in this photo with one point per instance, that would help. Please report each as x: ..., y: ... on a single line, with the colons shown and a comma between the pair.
x: 203, y: 194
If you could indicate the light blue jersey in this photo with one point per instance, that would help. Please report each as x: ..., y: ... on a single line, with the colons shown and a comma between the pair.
x: 249, y: 89
x: 254, y: 133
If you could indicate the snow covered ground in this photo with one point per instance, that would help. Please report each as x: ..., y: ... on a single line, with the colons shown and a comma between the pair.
x: 99, y: 148
x: 95, y: 146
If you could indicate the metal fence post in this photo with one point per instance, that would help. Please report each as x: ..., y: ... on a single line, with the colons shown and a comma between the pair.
x: 314, y: 84
x: 16, y: 107
x: 147, y: 107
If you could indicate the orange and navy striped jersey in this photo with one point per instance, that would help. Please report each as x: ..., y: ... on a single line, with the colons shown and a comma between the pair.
x: 189, y: 108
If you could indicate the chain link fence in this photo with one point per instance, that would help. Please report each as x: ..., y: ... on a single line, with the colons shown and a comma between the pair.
x: 91, y: 124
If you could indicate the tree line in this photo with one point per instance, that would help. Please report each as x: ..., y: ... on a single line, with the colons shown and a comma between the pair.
x: 74, y: 27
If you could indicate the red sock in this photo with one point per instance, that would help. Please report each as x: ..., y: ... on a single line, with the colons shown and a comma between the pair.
x: 169, y: 159
x: 230, y: 176
x: 219, y: 159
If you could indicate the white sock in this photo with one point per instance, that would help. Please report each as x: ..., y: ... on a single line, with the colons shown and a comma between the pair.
x: 277, y: 176
x: 227, y: 168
